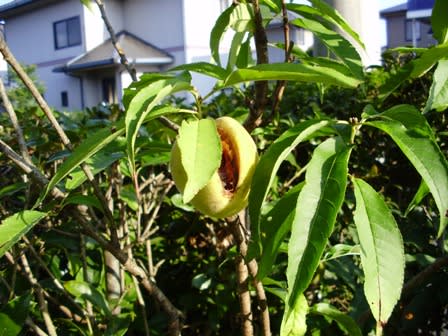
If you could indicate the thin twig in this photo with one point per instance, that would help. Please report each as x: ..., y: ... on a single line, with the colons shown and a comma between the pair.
x: 15, y: 122
x: 11, y: 60
x: 40, y: 296
x: 79, y: 213
x: 124, y: 61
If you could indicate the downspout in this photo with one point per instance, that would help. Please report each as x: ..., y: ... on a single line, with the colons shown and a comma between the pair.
x: 81, y: 91
x: 414, y: 32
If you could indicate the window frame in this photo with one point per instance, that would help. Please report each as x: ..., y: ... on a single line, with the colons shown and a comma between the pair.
x: 69, y: 43
x: 419, y: 30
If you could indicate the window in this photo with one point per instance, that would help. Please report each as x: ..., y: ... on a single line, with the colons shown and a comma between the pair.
x: 64, y: 99
x: 67, y: 33
x: 408, y: 30
x: 108, y: 85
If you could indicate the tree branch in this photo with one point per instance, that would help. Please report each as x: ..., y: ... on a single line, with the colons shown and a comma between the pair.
x: 261, y: 87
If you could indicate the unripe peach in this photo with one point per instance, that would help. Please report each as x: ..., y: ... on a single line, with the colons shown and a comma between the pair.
x: 226, y: 193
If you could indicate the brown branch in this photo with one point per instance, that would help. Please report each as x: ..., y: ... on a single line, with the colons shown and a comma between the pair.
x: 419, y: 279
x: 251, y: 268
x: 123, y: 59
x: 257, y: 107
x: 281, y: 84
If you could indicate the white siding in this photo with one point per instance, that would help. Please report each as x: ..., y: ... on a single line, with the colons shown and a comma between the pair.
x: 30, y: 37
x: 158, y: 22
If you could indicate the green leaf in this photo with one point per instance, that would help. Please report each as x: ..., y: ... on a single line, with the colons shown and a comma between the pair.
x: 16, y: 226
x: 317, y: 207
x: 291, y: 72
x: 344, y: 321
x: 411, y: 132
x: 200, y: 148
x: 267, y: 168
x: 218, y: 30
x: 336, y: 43
x: 142, y: 107
x: 241, y: 18
x: 84, y: 200
x: 97, y: 163
x: 274, y: 226
x: 13, y: 315
x: 204, y: 68
x: 128, y: 195
x: 244, y: 58
x: 84, y: 151
x: 340, y: 250
x: 438, y: 94
x: 86, y: 291
x: 12, y: 189
x: 294, y: 318
x: 439, y: 23
x: 382, y: 251
x: 414, y: 69
x: 323, y: 12
x: 421, y: 193
x: 237, y: 43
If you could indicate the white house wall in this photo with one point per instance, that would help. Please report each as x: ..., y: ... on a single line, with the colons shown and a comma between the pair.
x: 41, y: 51
x: 158, y: 22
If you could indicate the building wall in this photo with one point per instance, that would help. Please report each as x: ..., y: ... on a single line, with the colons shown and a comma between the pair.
x: 38, y: 48
x: 158, y: 22
x: 396, y: 34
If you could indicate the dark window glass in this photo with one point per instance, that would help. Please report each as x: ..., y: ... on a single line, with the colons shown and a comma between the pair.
x: 67, y: 33
x: 64, y: 99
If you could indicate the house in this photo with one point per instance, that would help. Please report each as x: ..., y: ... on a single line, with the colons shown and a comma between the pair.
x: 74, y: 55
x: 408, y: 24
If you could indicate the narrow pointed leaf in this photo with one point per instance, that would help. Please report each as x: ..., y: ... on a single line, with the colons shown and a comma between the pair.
x: 14, y: 227
x: 204, y: 68
x: 414, y: 69
x: 421, y: 193
x: 439, y: 24
x: 292, y: 72
x: 329, y: 13
x: 235, y: 48
x: 438, y: 94
x: 218, y: 30
x: 336, y: 43
x: 382, y: 251
x: 267, y: 168
x: 83, y: 152
x: 344, y: 321
x: 200, y: 148
x: 88, y: 292
x: 317, y: 207
x: 411, y: 132
x: 142, y: 105
x: 294, y: 318
x: 274, y: 227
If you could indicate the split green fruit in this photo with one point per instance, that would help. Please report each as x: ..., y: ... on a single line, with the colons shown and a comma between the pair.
x: 226, y: 193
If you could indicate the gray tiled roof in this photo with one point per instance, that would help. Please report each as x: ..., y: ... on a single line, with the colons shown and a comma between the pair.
x: 394, y: 9
x: 137, y: 51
